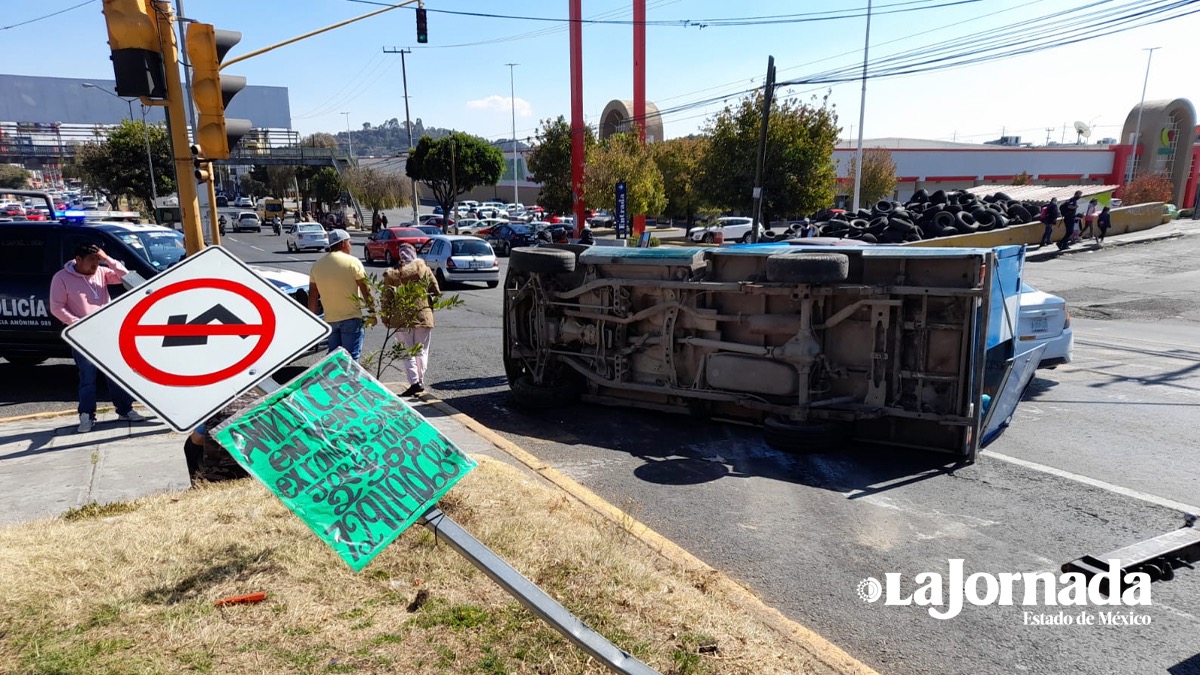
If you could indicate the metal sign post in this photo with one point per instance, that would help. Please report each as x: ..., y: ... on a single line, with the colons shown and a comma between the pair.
x: 337, y: 425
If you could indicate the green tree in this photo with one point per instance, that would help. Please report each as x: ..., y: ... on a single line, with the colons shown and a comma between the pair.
x: 306, y: 175
x: 679, y: 161
x: 251, y: 186
x: 13, y: 176
x: 376, y: 190
x: 878, y: 175
x: 622, y: 157
x: 798, y: 176
x: 550, y: 163
x: 326, y: 186
x: 453, y: 165
x: 278, y: 180
x: 117, y: 166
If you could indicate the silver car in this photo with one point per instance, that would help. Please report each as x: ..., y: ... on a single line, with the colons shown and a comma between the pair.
x: 458, y: 258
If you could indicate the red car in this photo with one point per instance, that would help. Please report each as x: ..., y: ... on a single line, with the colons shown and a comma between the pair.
x: 14, y: 210
x: 385, y: 244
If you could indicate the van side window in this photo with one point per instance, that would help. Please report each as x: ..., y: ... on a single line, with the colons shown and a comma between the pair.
x: 24, y: 251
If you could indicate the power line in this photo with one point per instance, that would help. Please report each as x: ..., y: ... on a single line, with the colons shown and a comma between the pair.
x: 807, y: 17
x: 47, y: 16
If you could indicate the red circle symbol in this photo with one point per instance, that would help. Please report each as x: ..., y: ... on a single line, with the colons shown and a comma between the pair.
x: 133, y: 328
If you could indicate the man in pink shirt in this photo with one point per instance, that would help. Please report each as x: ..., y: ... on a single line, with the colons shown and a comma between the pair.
x: 77, y: 290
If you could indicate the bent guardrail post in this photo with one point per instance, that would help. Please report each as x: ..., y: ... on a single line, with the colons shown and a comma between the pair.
x: 545, y: 607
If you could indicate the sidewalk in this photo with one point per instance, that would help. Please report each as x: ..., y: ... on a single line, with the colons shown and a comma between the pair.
x: 46, y: 468
x: 1171, y: 230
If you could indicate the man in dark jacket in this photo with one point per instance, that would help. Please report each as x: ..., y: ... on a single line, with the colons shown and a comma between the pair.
x: 1069, y: 208
x: 1049, y: 217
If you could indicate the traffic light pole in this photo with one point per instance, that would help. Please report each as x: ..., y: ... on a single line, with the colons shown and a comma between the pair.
x: 181, y: 153
x: 309, y: 34
x: 214, y: 228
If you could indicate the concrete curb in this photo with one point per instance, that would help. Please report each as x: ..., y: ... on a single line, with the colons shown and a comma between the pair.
x: 820, y: 649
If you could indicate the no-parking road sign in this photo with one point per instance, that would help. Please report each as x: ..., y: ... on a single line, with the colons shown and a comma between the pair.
x: 194, y: 338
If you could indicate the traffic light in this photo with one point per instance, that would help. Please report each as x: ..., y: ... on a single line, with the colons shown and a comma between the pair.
x: 212, y: 91
x: 136, y: 52
x: 422, y: 26
x: 199, y: 166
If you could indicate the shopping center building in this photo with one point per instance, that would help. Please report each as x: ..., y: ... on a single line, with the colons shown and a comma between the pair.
x: 1168, y: 147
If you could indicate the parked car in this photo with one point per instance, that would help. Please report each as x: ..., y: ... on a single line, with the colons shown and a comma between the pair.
x: 385, y: 244
x: 485, y: 227
x: 431, y: 230
x: 33, y: 252
x: 461, y: 258
x: 247, y: 221
x: 506, y: 237
x: 733, y: 228
x: 468, y: 225
x: 1044, y: 319
x: 306, y: 236
x: 440, y: 223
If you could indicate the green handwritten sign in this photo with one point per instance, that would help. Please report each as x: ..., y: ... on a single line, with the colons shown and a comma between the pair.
x: 346, y: 455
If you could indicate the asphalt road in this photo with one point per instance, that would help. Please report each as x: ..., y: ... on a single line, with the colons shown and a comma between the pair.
x: 1093, y: 454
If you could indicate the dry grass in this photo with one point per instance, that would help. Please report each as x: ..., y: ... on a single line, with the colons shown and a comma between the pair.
x: 132, y: 590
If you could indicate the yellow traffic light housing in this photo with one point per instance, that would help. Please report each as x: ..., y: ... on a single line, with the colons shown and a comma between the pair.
x: 212, y: 91
x: 136, y: 49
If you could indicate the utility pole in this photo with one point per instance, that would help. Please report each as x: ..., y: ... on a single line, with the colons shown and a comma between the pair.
x: 1138, y: 143
x: 408, y: 126
x: 512, y: 99
x: 768, y: 94
x: 349, y: 138
x: 862, y: 112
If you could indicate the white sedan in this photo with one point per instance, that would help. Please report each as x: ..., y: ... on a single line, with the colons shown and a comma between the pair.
x: 1043, y: 319
x: 307, y: 235
x: 733, y: 228
x: 460, y: 258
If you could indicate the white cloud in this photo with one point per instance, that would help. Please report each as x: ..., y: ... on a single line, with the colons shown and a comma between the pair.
x: 503, y: 104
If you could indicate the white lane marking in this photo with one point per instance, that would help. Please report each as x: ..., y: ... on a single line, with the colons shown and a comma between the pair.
x: 256, y: 248
x: 1079, y: 478
x: 297, y: 259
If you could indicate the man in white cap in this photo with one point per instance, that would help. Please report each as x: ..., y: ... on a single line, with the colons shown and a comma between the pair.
x: 336, y: 281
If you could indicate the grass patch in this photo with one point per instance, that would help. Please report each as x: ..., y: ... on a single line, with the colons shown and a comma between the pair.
x: 136, y: 594
x: 94, y: 510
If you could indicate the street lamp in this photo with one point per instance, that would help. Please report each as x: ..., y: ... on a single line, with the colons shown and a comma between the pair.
x: 145, y: 134
x: 1149, y: 55
x: 512, y: 98
x: 349, y: 138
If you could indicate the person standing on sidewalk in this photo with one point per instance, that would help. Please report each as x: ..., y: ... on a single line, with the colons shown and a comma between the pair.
x: 80, y: 288
x: 1103, y: 222
x: 1089, y: 219
x: 415, y: 329
x: 335, y: 281
x: 1069, y: 209
x: 1049, y: 217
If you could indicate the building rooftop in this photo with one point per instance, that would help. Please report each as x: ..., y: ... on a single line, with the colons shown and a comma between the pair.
x: 1041, y: 193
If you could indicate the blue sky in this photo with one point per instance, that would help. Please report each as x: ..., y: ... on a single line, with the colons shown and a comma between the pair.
x: 459, y: 80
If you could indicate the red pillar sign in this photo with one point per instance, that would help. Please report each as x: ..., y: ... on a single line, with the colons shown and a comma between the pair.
x: 577, y: 128
x: 639, y: 89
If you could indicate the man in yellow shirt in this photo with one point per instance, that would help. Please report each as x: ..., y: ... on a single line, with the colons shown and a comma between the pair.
x: 337, y: 279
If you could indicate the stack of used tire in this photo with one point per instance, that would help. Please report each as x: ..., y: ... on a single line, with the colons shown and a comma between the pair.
x: 924, y: 216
